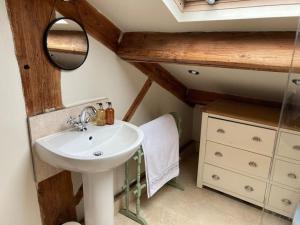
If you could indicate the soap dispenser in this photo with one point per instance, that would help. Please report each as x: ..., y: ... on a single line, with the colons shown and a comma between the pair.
x: 101, y: 117
x: 110, y: 114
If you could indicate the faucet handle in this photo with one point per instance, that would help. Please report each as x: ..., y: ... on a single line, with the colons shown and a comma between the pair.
x: 71, y: 120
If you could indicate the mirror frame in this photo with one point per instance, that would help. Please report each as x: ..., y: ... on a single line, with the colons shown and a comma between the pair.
x: 46, y: 48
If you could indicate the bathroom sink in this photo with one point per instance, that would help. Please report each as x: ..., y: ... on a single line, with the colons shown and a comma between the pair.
x: 94, y: 153
x: 98, y: 149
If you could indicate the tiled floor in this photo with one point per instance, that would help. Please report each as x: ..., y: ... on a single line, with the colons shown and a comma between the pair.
x: 196, y: 206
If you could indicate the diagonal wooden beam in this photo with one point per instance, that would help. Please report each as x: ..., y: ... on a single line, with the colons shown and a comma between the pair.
x: 138, y: 100
x: 96, y: 24
x: 165, y: 79
x: 206, y: 97
x: 267, y: 51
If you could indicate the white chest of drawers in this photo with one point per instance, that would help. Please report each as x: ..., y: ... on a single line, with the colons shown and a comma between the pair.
x: 236, y: 154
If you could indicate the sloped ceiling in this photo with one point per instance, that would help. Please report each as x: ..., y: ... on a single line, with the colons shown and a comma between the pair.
x: 146, y: 15
x: 247, y: 83
x: 153, y: 15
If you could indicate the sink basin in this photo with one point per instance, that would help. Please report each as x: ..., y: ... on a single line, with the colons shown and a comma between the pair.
x: 94, y: 153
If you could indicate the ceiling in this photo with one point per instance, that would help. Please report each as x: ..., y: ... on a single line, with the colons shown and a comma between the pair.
x: 146, y: 15
x: 248, y: 83
x: 153, y: 15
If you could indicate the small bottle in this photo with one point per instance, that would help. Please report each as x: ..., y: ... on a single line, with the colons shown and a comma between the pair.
x: 110, y: 114
x: 101, y: 118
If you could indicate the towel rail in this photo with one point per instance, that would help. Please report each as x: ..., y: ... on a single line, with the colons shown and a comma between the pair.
x: 136, y: 216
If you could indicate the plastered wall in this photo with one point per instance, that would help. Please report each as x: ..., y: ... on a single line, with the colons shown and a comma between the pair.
x: 18, y: 197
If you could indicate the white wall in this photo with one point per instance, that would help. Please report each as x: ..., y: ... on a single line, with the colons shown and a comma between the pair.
x: 18, y: 197
x: 105, y: 75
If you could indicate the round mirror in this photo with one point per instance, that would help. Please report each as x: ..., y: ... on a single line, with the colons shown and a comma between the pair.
x: 66, y: 43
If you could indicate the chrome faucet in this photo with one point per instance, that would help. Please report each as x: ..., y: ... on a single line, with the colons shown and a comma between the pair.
x: 85, y: 116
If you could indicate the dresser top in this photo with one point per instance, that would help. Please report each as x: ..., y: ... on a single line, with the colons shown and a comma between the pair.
x: 245, y: 111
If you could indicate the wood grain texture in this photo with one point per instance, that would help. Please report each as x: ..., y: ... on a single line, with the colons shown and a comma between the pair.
x: 138, y: 100
x: 163, y: 78
x: 267, y: 51
x: 56, y: 199
x: 96, y: 24
x: 255, y: 113
x: 40, y: 80
x: 206, y: 97
x: 73, y: 42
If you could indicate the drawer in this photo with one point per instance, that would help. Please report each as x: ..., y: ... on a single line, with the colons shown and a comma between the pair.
x: 251, y: 138
x: 233, y: 182
x: 228, y: 157
x: 289, y: 146
x: 287, y: 173
x: 283, y: 199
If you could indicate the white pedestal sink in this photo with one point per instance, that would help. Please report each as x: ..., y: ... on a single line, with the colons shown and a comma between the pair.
x: 94, y: 153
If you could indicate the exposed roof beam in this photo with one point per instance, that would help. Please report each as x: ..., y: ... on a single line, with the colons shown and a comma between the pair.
x: 162, y: 77
x: 267, y: 51
x: 96, y: 24
x: 205, y: 97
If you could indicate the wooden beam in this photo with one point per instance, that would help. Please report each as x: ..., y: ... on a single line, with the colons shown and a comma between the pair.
x: 57, y: 199
x: 162, y: 77
x: 267, y: 51
x: 205, y: 97
x: 96, y: 24
x: 139, y: 98
x: 73, y: 42
x: 40, y: 80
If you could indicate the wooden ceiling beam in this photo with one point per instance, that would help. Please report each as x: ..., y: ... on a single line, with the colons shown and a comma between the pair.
x: 163, y: 78
x: 266, y: 51
x: 206, y: 97
x: 96, y: 24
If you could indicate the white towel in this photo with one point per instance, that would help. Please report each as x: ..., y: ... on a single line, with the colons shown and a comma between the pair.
x: 161, y: 152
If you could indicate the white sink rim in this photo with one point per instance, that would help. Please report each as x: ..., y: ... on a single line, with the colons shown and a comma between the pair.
x: 45, y: 146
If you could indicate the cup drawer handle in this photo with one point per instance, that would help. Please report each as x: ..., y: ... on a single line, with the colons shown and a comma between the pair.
x: 296, y: 147
x: 215, y: 177
x: 257, y: 139
x: 248, y: 188
x: 221, y: 131
x: 252, y: 164
x: 286, y: 201
x: 218, y: 154
x: 292, y: 176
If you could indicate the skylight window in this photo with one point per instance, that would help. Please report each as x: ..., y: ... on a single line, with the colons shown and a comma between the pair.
x: 200, y: 10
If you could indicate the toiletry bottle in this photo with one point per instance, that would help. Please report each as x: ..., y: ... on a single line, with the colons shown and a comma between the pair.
x: 110, y: 114
x: 101, y: 118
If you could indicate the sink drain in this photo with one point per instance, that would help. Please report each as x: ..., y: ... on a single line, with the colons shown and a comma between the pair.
x: 99, y: 153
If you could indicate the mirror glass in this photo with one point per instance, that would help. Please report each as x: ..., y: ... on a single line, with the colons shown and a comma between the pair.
x: 66, y: 43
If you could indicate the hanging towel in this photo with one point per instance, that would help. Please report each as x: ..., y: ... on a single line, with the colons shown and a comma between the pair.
x: 161, y: 152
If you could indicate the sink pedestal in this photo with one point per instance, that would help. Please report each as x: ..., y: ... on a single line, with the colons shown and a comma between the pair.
x: 98, y: 198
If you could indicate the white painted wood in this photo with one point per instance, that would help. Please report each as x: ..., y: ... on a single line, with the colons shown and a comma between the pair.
x: 202, y: 149
x: 255, y: 139
x: 234, y: 194
x: 233, y: 158
x: 231, y: 167
x: 287, y: 173
x: 289, y: 145
x: 284, y: 200
x: 236, y: 183
x: 233, y: 14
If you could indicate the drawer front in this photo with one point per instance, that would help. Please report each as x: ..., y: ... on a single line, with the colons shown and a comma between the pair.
x: 289, y: 146
x: 228, y: 157
x: 251, y: 138
x: 233, y: 182
x: 287, y: 173
x: 283, y: 199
